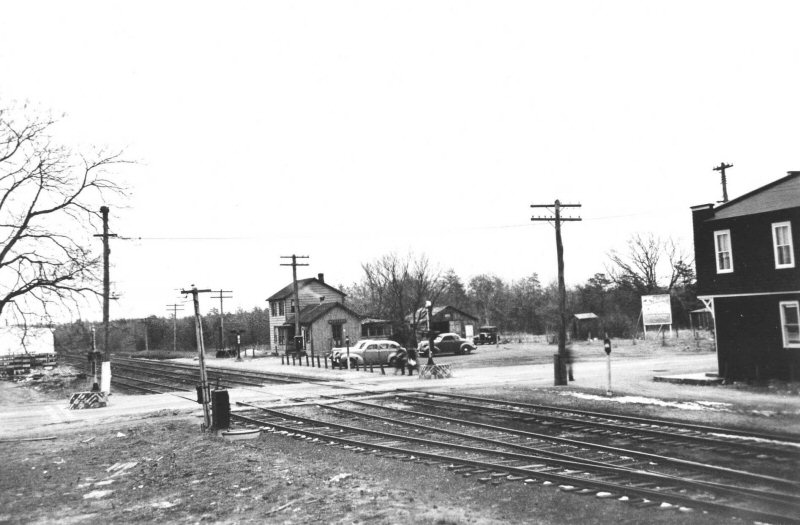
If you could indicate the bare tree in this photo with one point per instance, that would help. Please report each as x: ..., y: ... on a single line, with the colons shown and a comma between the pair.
x: 50, y: 198
x: 642, y: 267
x: 397, y: 286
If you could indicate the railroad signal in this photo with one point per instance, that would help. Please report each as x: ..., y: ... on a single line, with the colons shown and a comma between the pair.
x: 198, y: 330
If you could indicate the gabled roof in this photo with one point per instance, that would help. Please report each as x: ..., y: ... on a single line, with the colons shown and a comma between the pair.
x: 288, y: 290
x: 584, y: 316
x: 422, y: 313
x: 780, y: 194
x: 312, y: 312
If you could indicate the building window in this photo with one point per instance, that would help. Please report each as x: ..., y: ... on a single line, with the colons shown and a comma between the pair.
x: 280, y: 307
x: 291, y: 310
x: 722, y: 242
x: 790, y: 323
x: 782, y: 243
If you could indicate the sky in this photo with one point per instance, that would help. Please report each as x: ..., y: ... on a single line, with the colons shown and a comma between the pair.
x: 347, y: 130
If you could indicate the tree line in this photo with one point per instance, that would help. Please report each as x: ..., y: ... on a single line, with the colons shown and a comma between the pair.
x: 394, y: 287
x: 165, y: 333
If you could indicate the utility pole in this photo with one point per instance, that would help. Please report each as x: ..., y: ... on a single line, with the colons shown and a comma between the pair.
x: 106, y: 282
x: 198, y: 330
x: 222, y: 296
x: 294, y: 264
x: 560, y: 368
x: 174, y: 308
x: 721, y: 168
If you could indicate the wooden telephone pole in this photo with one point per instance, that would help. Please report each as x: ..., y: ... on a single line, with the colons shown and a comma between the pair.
x: 294, y: 264
x: 106, y: 282
x: 174, y: 308
x: 560, y: 363
x: 222, y: 296
x: 721, y: 168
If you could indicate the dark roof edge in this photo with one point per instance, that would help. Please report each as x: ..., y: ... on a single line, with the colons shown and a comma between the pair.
x: 791, y: 174
x: 282, y: 293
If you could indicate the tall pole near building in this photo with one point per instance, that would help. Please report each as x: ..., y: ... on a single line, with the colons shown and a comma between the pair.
x: 106, y: 281
x: 560, y: 368
x: 198, y: 331
x: 721, y: 168
x: 294, y: 264
x: 174, y: 308
x: 222, y: 296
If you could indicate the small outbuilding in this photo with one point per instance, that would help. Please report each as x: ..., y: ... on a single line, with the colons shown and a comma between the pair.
x: 585, y: 326
x: 444, y: 319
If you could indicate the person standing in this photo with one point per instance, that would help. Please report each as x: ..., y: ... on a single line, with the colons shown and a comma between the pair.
x: 413, y: 361
x: 570, y: 362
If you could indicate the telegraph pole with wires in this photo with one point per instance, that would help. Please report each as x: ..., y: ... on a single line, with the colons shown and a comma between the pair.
x: 298, y: 338
x: 174, y: 308
x: 106, y: 368
x: 721, y: 168
x: 198, y: 331
x: 221, y: 296
x: 560, y: 361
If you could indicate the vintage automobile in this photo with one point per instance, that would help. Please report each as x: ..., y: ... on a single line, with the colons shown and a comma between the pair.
x: 487, y: 335
x: 368, y: 352
x: 447, y: 343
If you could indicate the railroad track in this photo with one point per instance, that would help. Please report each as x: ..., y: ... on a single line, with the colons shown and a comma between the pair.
x: 149, y: 376
x: 393, y: 426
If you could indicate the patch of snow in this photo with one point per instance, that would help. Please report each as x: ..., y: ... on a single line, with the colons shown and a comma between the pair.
x: 97, y: 494
x: 683, y: 405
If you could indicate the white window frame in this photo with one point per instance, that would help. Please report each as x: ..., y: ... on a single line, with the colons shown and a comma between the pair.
x: 717, y: 235
x: 781, y: 305
x: 775, y: 226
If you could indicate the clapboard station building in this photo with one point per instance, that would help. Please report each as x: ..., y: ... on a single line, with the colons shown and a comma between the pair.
x: 748, y: 276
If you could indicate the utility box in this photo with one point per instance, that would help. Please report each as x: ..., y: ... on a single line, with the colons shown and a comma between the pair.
x: 220, y: 409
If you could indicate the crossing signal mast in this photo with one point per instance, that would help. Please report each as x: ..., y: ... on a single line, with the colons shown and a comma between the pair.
x: 560, y: 362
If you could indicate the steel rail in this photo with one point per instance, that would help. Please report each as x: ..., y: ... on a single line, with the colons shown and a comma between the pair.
x: 526, y: 470
x: 180, y: 377
x: 789, y: 438
x: 748, y: 447
x: 222, y: 371
x: 579, y: 444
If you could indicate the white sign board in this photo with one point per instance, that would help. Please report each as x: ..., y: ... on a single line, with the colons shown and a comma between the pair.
x: 656, y: 310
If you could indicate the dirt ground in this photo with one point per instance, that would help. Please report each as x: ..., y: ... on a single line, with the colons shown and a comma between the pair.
x: 162, y: 469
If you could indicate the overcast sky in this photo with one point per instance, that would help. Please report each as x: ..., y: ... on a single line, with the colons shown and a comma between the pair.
x: 345, y: 130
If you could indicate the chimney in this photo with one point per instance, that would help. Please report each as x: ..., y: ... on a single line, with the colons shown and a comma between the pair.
x: 321, y: 277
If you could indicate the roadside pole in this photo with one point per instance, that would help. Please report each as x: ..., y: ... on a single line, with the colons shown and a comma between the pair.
x: 607, y: 346
x: 198, y: 330
x: 347, y: 344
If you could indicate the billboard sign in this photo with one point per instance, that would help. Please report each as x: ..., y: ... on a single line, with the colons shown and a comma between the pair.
x: 656, y: 309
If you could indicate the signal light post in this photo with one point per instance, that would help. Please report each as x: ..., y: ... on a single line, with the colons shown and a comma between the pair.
x: 198, y: 330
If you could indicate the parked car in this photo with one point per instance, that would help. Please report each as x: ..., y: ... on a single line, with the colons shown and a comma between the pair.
x: 447, y: 343
x: 368, y: 352
x: 487, y: 335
